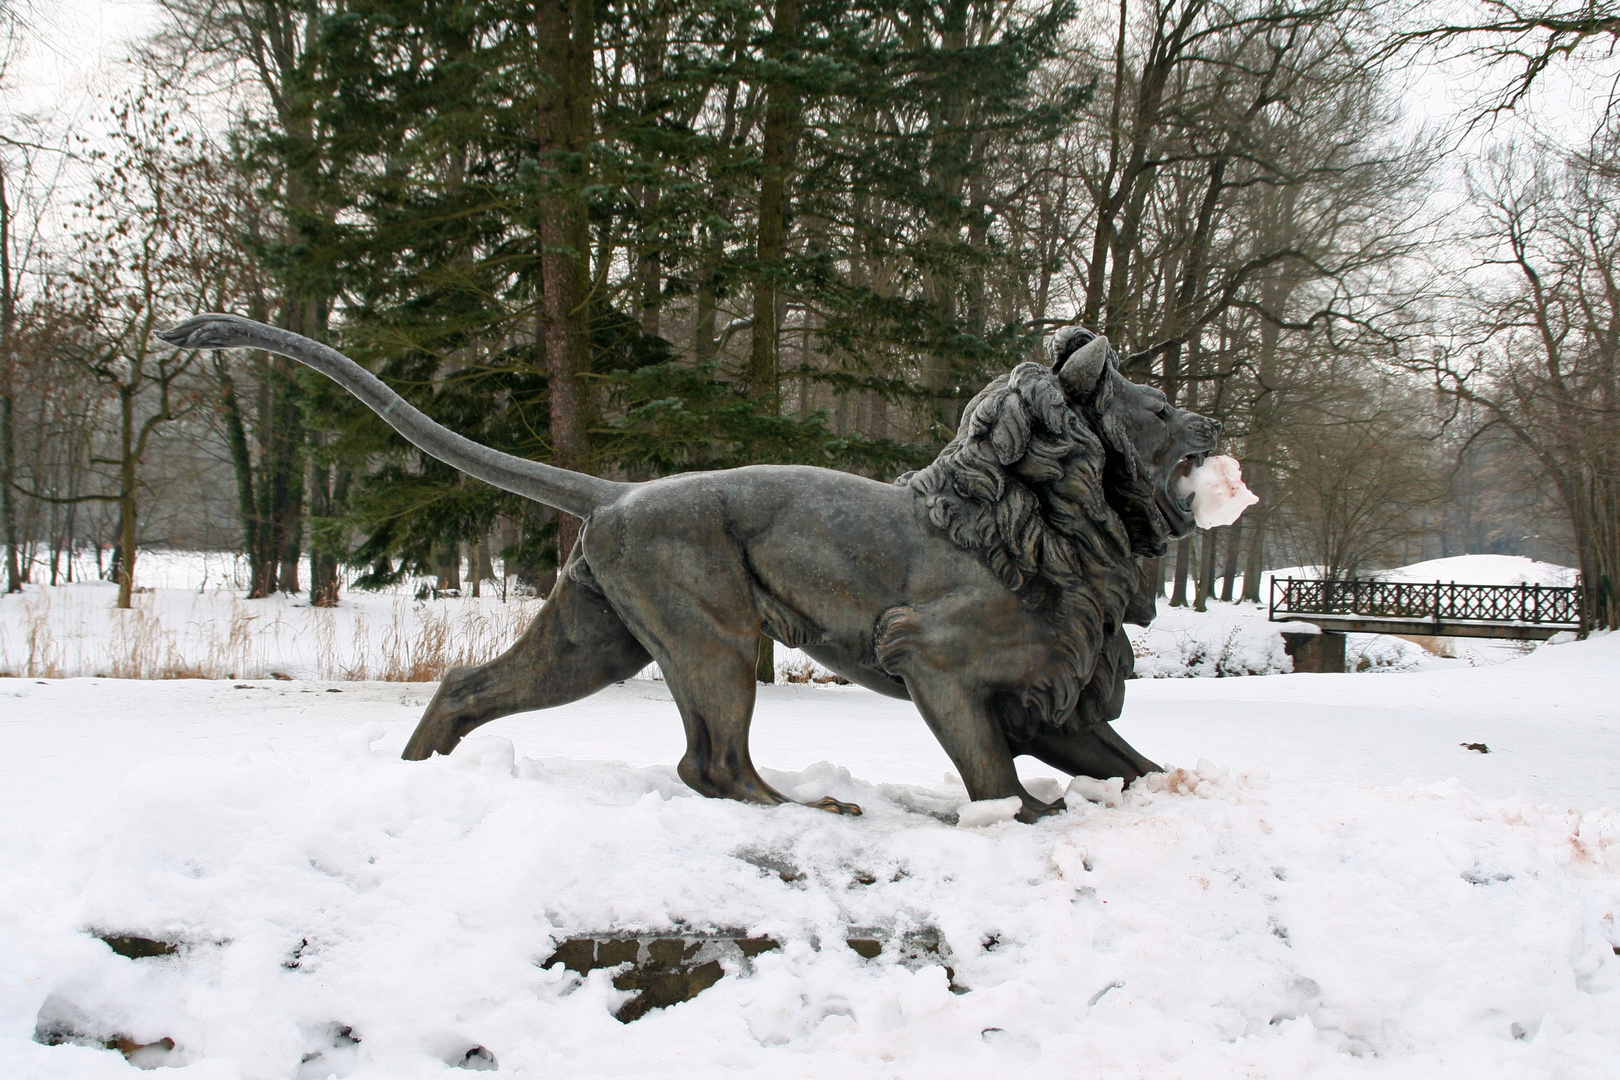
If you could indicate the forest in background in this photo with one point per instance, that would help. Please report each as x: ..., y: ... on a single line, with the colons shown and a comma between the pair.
x: 635, y: 237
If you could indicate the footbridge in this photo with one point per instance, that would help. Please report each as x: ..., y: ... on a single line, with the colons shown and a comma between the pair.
x: 1436, y: 609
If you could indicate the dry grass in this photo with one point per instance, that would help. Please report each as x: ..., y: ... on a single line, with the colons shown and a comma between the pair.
x: 178, y: 634
x: 798, y: 668
x: 1434, y: 646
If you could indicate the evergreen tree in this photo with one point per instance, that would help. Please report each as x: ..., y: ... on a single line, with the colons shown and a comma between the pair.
x: 693, y: 251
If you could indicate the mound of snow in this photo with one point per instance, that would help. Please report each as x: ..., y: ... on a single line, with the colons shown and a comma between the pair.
x: 1485, y: 570
x: 390, y: 916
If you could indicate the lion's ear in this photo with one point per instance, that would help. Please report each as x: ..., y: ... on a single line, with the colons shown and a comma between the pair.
x: 1080, y: 372
x: 1064, y: 342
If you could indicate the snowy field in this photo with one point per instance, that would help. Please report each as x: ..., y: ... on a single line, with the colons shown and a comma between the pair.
x: 1332, y: 885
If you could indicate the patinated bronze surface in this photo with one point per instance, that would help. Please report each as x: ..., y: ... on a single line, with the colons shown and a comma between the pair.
x: 990, y: 588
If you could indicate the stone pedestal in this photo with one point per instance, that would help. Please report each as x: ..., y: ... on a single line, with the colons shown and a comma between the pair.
x: 1315, y: 653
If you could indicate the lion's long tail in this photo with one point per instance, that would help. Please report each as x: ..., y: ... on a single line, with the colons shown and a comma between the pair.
x: 573, y: 492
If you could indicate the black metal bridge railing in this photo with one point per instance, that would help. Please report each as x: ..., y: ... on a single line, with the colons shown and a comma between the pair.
x: 1444, y: 609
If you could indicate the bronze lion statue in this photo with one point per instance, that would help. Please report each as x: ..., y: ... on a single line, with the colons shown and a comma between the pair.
x: 990, y: 588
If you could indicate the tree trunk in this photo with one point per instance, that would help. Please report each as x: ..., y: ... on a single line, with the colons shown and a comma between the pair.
x: 764, y: 361
x: 450, y: 568
x: 1234, y: 544
x: 280, y: 485
x: 8, y: 391
x: 1178, y: 596
x: 126, y: 497
x: 247, y: 506
x: 482, y: 568
x: 72, y: 539
x: 8, y: 476
x: 764, y: 366
x: 1206, y: 570
x: 1256, y: 564
x: 1594, y: 511
x: 566, y: 39
x: 327, y: 497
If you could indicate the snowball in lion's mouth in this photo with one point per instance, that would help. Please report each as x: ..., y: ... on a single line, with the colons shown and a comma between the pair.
x: 1217, y: 491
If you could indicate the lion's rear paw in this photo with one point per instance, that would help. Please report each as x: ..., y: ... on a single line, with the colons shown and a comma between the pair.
x: 833, y: 806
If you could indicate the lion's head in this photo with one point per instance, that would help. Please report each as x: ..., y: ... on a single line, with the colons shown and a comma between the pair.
x: 1054, y: 469
x: 1151, y: 443
x: 1060, y: 477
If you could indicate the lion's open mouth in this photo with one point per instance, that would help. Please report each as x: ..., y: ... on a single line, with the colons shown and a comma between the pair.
x: 1176, y: 507
x: 1183, y: 469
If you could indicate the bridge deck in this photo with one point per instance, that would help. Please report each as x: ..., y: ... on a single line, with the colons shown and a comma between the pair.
x: 1358, y: 624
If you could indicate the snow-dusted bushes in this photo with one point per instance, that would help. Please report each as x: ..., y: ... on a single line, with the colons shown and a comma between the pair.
x: 1210, y: 647
x: 792, y: 666
x: 1381, y: 652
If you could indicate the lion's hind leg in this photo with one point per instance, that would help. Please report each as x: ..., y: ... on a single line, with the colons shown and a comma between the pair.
x: 576, y: 646
x: 712, y: 681
x: 700, y: 620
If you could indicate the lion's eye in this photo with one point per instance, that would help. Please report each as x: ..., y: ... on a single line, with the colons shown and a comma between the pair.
x: 1164, y: 411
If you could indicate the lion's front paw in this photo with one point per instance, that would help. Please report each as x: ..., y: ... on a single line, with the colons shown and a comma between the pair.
x: 1034, y: 811
x: 834, y: 806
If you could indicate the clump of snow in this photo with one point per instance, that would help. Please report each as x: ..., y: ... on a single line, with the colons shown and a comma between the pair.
x: 1109, y: 792
x: 791, y: 666
x: 1218, y: 492
x: 976, y: 815
x: 1386, y: 653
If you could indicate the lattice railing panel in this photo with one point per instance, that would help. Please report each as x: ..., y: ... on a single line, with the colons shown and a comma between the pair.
x: 1442, y: 601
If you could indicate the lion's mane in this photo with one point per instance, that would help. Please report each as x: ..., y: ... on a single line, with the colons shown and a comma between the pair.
x: 1055, y: 510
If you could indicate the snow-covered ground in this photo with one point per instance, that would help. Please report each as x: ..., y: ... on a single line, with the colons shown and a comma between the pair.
x: 1335, y: 886
x: 1338, y: 888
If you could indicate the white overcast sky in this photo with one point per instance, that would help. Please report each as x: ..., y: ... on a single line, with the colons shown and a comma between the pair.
x: 79, y: 45
x: 75, y: 51
x: 75, y: 58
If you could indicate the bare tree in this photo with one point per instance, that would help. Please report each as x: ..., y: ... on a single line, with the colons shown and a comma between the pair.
x: 1362, y: 476
x: 1544, y: 363
x: 1525, y: 38
x: 142, y: 257
x: 29, y: 167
